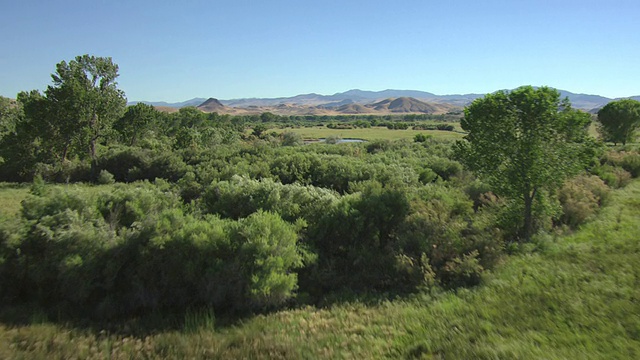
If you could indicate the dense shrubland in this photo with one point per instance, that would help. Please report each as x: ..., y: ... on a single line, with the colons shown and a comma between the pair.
x: 214, y: 211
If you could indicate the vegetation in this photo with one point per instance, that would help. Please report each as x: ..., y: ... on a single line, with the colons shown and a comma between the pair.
x: 154, y: 235
x: 619, y: 121
x: 571, y: 296
x: 525, y: 143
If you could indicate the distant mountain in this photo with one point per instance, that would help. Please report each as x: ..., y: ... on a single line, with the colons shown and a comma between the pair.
x: 313, y: 103
x: 211, y: 105
x: 192, y: 102
x: 584, y: 101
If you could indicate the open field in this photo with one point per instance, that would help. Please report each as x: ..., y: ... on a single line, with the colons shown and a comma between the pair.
x: 374, y: 133
x: 572, y: 297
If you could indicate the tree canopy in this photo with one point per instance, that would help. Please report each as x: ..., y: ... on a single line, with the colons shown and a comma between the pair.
x: 524, y: 142
x: 85, y: 98
x: 619, y: 120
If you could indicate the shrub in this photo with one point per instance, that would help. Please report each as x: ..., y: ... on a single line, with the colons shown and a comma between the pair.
x: 65, y: 172
x: 105, y: 178
x: 132, y: 250
x: 580, y: 199
x: 628, y: 160
x: 421, y: 137
x: 444, y: 167
x: 241, y: 197
x: 428, y: 176
x: 290, y: 138
x: 614, y: 177
x: 332, y: 139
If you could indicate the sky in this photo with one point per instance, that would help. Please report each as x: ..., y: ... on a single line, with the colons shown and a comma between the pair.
x: 177, y: 50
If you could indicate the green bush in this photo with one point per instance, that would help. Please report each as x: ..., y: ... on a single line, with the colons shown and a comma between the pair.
x: 241, y: 197
x: 128, y: 164
x: 105, y: 178
x: 614, y: 177
x: 332, y: 139
x: 290, y: 138
x: 444, y: 167
x: 628, y: 160
x: 130, y: 249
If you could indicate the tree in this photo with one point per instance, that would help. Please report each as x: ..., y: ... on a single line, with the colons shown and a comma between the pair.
x: 524, y: 142
x: 135, y: 122
x: 85, y: 100
x: 30, y: 138
x: 619, y: 120
x: 9, y: 113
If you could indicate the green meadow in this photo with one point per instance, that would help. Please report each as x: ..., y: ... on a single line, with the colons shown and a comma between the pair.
x: 369, y: 134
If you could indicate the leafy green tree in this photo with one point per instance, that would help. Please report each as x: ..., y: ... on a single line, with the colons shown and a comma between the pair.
x: 32, y: 139
x: 85, y: 99
x: 9, y: 113
x: 524, y: 142
x: 136, y: 122
x: 619, y: 120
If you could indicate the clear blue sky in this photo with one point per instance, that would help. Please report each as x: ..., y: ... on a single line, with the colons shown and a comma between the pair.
x: 177, y: 50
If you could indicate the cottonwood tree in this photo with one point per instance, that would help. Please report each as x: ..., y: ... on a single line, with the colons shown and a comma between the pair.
x: 135, y: 123
x: 85, y: 100
x: 619, y: 121
x: 524, y: 142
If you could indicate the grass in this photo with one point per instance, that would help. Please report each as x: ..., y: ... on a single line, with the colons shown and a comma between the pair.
x: 374, y: 133
x: 571, y: 297
x: 11, y: 196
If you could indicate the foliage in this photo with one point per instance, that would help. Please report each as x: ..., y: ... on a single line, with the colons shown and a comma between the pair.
x: 628, y: 160
x: 85, y: 98
x: 580, y: 288
x: 580, y: 198
x: 291, y: 139
x: 240, y: 197
x: 619, y: 120
x: 9, y: 116
x: 524, y: 142
x: 131, y: 249
x: 135, y: 122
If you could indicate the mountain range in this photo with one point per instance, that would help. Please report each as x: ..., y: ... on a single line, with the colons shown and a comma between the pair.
x: 361, y: 102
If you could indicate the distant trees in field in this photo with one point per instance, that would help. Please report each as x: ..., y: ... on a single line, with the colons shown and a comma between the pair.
x: 619, y: 121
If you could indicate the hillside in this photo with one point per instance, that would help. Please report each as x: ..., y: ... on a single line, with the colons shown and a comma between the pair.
x: 408, y: 105
x: 211, y: 105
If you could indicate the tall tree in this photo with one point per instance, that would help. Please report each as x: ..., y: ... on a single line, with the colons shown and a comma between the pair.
x: 85, y: 99
x: 619, y: 121
x: 136, y: 122
x: 9, y: 112
x: 524, y: 142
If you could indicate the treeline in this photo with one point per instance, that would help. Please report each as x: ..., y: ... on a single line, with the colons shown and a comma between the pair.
x: 372, y: 120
